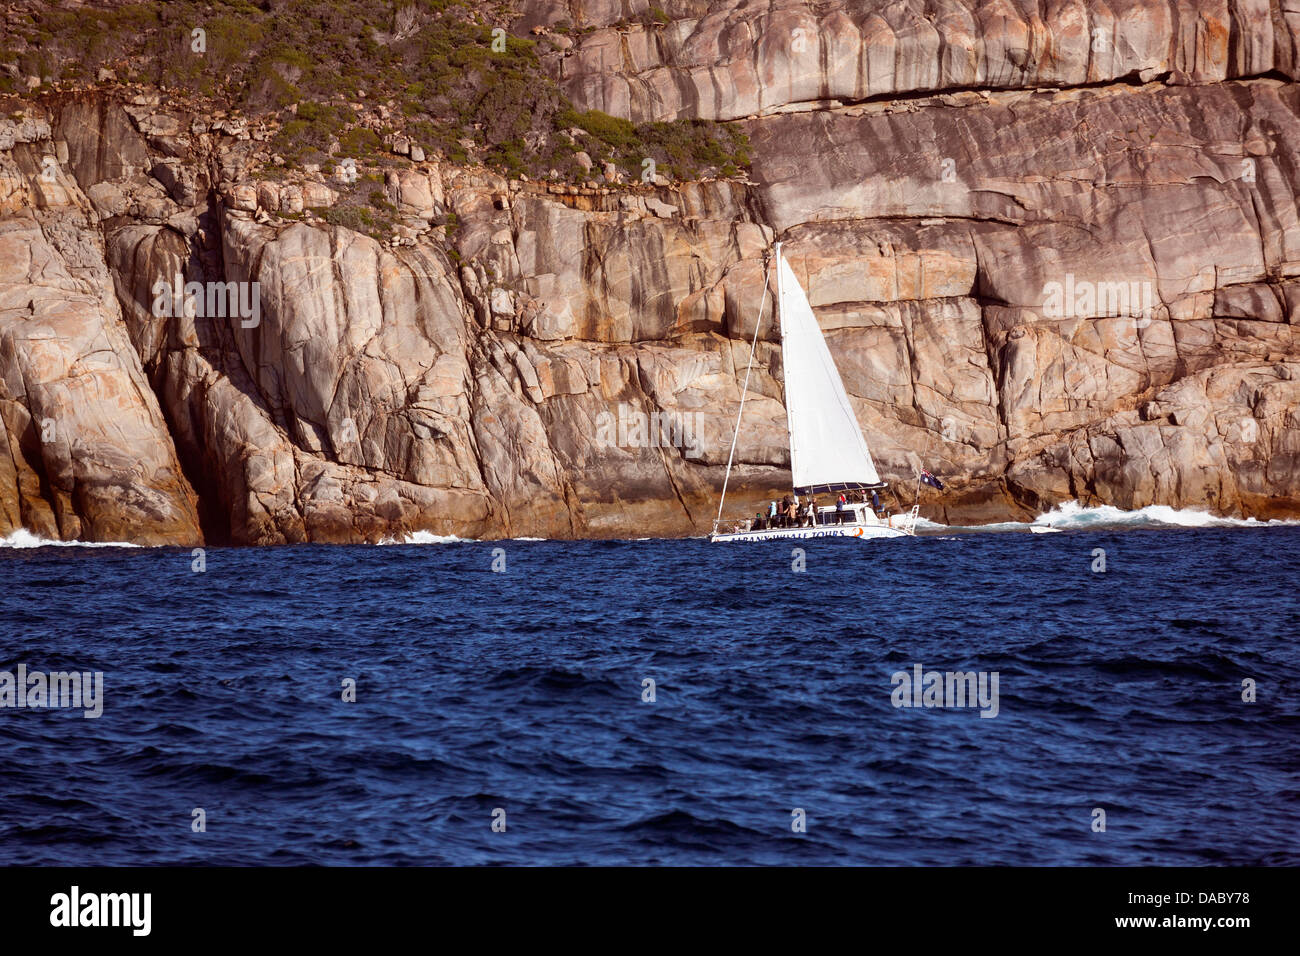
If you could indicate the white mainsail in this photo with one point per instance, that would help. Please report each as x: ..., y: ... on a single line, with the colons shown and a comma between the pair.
x: 826, y: 444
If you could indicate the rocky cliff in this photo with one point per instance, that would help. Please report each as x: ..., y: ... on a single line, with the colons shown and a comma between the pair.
x: 1054, y: 246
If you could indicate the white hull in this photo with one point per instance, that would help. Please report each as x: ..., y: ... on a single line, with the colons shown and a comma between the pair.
x: 861, y: 532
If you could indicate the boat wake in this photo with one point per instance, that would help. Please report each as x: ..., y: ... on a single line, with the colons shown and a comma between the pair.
x: 1072, y: 516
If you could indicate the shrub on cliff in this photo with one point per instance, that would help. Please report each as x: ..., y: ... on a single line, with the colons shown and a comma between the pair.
x: 682, y: 147
x: 438, y: 69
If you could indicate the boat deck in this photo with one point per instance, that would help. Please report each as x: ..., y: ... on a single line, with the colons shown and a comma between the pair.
x: 817, y: 531
x: 860, y: 522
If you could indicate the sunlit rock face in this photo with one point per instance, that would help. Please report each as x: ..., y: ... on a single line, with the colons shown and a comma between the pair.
x: 736, y: 58
x: 1055, y: 257
x: 85, y: 451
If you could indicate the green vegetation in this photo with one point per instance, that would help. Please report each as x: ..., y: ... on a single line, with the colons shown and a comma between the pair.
x: 437, y: 71
x: 653, y: 16
x: 311, y: 131
x: 376, y: 223
x: 678, y: 148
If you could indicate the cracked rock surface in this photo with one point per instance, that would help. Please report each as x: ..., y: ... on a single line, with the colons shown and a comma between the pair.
x: 1049, y: 267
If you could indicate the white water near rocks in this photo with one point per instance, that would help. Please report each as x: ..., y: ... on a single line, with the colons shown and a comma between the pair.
x: 1072, y: 516
x: 425, y: 537
x: 22, y: 538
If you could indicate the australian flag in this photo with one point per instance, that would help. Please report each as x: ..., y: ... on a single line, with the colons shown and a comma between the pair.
x: 930, y: 480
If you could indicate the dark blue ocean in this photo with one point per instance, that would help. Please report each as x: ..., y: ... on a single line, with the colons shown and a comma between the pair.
x: 522, y: 691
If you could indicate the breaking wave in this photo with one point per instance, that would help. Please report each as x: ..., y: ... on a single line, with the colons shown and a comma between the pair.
x: 1072, y: 516
x: 425, y: 537
x: 22, y: 538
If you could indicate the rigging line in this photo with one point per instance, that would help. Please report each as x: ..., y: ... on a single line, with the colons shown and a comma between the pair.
x: 744, y: 393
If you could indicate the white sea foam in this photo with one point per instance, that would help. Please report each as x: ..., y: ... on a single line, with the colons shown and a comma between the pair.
x: 22, y: 538
x: 925, y: 524
x: 425, y: 537
x: 1072, y: 516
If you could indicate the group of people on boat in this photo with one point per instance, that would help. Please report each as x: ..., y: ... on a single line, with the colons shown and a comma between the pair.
x: 789, y: 512
x: 786, y: 513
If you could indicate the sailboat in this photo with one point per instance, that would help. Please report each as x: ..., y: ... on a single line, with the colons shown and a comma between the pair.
x: 828, y: 454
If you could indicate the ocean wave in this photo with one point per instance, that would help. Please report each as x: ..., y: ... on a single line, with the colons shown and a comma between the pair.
x: 1072, y: 516
x: 22, y: 538
x: 925, y: 524
x: 425, y: 537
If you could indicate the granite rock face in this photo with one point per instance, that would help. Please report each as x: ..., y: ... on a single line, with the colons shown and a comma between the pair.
x: 1060, y: 262
x: 1052, y: 263
x: 736, y: 58
x: 84, y: 447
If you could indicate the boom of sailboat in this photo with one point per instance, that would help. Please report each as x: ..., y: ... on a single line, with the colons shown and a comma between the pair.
x: 828, y: 453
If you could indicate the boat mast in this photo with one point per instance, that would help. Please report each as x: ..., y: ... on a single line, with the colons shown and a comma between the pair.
x: 744, y: 393
x: 789, y: 414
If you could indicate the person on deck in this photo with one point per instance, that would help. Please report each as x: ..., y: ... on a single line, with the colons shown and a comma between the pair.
x: 771, y: 514
x: 839, y: 508
x: 875, y: 502
x: 810, y: 514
